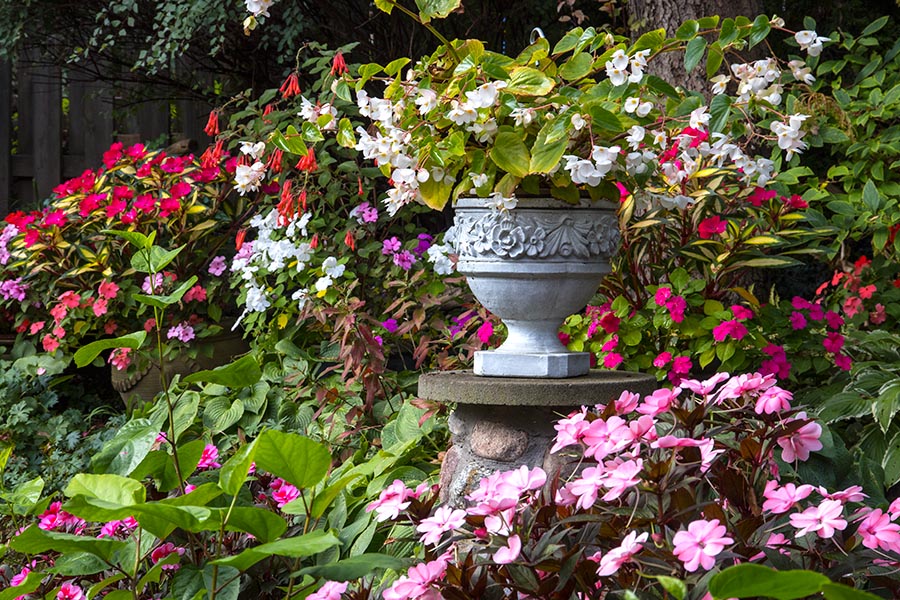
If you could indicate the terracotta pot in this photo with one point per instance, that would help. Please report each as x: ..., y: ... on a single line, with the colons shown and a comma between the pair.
x: 142, y: 386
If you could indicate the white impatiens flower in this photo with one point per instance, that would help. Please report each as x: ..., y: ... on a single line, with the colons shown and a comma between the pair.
x: 810, y: 41
x: 719, y: 83
x: 256, y: 300
x: 253, y: 150
x: 437, y: 255
x: 789, y: 134
x: 323, y: 283
x: 617, y: 67
x: 300, y: 296
x: 332, y: 268
x: 258, y: 8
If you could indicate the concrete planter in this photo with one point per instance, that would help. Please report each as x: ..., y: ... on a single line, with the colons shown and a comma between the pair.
x: 533, y: 266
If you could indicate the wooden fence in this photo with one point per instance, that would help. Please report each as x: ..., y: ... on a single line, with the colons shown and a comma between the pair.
x: 55, y: 123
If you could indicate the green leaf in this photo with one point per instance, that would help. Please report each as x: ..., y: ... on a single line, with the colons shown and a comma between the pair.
x: 838, y: 591
x: 719, y: 111
x: 170, y: 299
x: 136, y: 239
x: 324, y: 498
x: 688, y: 30
x: 187, y: 583
x: 25, y: 495
x: 31, y: 582
x: 261, y: 523
x: 122, y: 454
x: 748, y: 580
x: 547, y: 153
x: 86, y: 354
x: 875, y: 26
x: 603, y: 118
x: 345, y: 135
x: 222, y: 412
x: 526, y: 81
x: 153, y: 260
x: 109, y: 488
x: 576, y: 67
x: 295, y: 547
x: 871, y: 197
x: 393, y: 67
x: 36, y: 541
x: 189, y: 456
x: 296, y: 459
x: 694, y: 53
x: 436, y: 9
x: 759, y: 30
x: 714, y: 59
x: 293, y: 144
x: 673, y: 585
x: 729, y: 32
x: 234, y: 472
x: 311, y: 133
x: 243, y: 372
x: 653, y: 40
x: 510, y: 154
x: 354, y: 567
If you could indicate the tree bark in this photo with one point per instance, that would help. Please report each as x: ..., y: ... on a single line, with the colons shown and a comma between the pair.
x: 645, y: 15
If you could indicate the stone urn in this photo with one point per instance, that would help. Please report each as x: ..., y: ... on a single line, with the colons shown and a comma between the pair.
x: 533, y: 266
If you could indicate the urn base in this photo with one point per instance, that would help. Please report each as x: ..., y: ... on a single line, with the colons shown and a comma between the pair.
x: 492, y: 363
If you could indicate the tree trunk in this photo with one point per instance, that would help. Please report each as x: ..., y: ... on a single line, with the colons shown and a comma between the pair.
x: 645, y: 15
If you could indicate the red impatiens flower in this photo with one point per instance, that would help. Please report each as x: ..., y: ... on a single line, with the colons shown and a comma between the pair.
x: 761, y: 195
x: 711, y: 226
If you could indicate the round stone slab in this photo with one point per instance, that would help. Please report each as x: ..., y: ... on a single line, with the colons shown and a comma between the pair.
x: 464, y: 387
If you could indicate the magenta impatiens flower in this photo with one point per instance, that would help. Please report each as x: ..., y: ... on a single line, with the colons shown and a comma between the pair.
x: 69, y: 591
x: 712, y: 226
x: 485, y: 332
x: 732, y: 328
x: 823, y: 519
x: 165, y: 550
x: 700, y: 544
x: 208, y: 458
x: 799, y: 444
x: 390, y: 246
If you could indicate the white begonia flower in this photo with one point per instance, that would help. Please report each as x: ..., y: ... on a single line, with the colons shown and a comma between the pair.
x: 578, y: 122
x: 484, y: 132
x: 462, y: 113
x: 485, y: 95
x: 502, y: 204
x: 602, y: 154
x: 258, y: 8
x: 660, y: 137
x: 426, y: 101
x: 522, y: 116
x: 719, y: 83
x: 362, y: 101
x: 631, y: 104
x: 253, y: 150
x: 582, y: 170
x: 644, y: 109
x: 679, y: 201
x: 381, y: 110
x: 331, y: 267
x: 810, y: 41
x: 699, y: 118
x: 638, y: 64
x: 307, y: 109
x: 617, y: 68
x: 248, y: 177
x: 635, y: 136
x: 478, y: 180
x: 776, y: 22
x: 801, y: 72
x: 789, y: 134
x: 323, y: 283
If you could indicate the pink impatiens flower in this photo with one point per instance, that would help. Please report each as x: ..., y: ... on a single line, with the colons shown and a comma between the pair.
x: 700, y: 544
x: 417, y: 582
x: 217, y: 266
x: 445, y: 519
x: 330, y: 590
x: 823, y: 519
x: 782, y: 499
x: 612, y: 561
x: 510, y: 552
x: 485, y: 332
x: 285, y: 493
x: 108, y: 290
x: 208, y: 458
x: 69, y: 591
x: 774, y: 399
x: 391, y: 501
x: 877, y: 531
x: 799, y: 444
x: 712, y: 226
x: 165, y: 550
x: 732, y: 328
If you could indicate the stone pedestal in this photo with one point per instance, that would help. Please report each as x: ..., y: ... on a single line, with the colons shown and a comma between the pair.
x: 501, y: 423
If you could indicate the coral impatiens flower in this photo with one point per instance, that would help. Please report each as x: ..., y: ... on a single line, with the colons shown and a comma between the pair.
x: 700, y: 544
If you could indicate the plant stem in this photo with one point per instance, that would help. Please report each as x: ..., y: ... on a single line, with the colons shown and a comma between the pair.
x: 429, y: 27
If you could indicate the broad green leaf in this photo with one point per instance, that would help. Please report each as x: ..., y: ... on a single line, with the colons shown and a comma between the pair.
x: 393, y: 67
x: 291, y: 145
x: 169, y: 299
x: 653, y: 40
x: 526, y: 81
x: 354, y: 567
x: 714, y: 58
x: 36, y: 541
x: 187, y: 583
x: 295, y: 547
x: 602, y: 118
x: 748, y: 580
x: 436, y: 9
x: 222, y: 412
x: 135, y: 238
x: 234, y: 472
x: 324, y: 498
x: 243, y: 372
x: 231, y: 591
x: 871, y: 197
x: 6, y: 448
x: 435, y: 193
x: 153, y: 260
x: 109, y: 488
x: 345, y: 135
x: 122, y: 454
x: 31, y: 583
x: 25, y: 495
x: 728, y: 33
x: 311, y: 132
x: 296, y: 459
x: 189, y: 456
x: 688, y: 30
x: 78, y: 563
x: 546, y: 154
x: 719, y: 111
x: 162, y: 519
x: 875, y: 26
x: 673, y: 585
x: 759, y: 30
x: 510, y: 154
x: 694, y: 53
x: 576, y: 67
x: 839, y: 591
x: 86, y: 354
x: 261, y: 523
